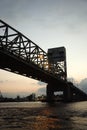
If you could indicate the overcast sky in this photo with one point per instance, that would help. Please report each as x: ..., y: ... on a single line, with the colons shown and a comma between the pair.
x: 49, y: 23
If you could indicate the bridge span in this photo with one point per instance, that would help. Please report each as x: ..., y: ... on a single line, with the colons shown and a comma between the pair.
x: 18, y: 54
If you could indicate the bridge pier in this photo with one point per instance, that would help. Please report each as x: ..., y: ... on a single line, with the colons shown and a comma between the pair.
x: 68, y: 94
x: 50, y: 93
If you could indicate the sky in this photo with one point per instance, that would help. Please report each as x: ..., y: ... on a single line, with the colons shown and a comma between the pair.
x: 48, y: 23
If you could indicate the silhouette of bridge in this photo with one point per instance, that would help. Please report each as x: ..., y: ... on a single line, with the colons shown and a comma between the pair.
x: 20, y: 55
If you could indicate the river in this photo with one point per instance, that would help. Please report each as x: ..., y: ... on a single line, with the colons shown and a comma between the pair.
x: 43, y: 116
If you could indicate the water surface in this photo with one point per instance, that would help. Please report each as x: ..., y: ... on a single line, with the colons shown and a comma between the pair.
x: 43, y: 116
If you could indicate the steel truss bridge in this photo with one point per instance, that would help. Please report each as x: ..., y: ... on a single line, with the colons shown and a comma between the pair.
x: 18, y: 54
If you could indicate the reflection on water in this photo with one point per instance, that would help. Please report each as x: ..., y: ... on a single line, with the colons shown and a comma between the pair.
x: 42, y: 116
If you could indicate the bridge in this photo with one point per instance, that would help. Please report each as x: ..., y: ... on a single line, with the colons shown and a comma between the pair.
x: 20, y: 55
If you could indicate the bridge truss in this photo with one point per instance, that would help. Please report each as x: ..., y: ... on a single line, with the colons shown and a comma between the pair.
x: 20, y: 54
x: 15, y: 43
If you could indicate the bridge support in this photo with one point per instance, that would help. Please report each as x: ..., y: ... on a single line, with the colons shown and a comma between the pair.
x: 50, y: 93
x: 68, y: 94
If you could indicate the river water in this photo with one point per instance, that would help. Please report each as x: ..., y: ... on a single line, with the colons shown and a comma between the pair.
x: 43, y: 116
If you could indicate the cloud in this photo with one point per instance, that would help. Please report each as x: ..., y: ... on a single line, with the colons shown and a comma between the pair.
x: 83, y: 85
x: 72, y: 80
x: 41, y: 83
x: 41, y: 91
x: 3, y: 81
x: 68, y: 16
